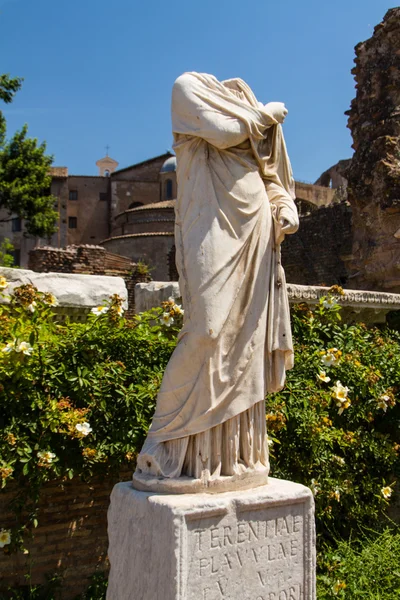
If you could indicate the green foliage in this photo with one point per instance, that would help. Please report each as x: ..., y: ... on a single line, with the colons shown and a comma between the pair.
x: 339, y: 437
x: 6, y: 258
x: 142, y: 269
x: 25, y: 183
x: 368, y: 568
x: 75, y: 399
x: 44, y: 591
x: 8, y: 88
x: 97, y: 589
x: 25, y: 173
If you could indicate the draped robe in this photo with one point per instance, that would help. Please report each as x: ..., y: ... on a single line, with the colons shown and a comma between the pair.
x: 235, y: 185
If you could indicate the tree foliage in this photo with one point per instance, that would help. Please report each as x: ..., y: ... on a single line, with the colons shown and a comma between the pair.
x: 8, y: 88
x: 25, y: 173
x: 6, y: 256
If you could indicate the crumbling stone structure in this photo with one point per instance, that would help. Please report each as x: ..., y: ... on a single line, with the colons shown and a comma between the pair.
x: 374, y: 172
x: 89, y: 260
x: 318, y: 253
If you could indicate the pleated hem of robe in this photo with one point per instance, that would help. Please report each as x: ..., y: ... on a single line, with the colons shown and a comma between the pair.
x: 238, y: 445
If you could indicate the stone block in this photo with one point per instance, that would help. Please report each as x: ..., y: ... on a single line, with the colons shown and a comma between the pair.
x: 71, y: 290
x: 257, y: 544
x: 151, y: 294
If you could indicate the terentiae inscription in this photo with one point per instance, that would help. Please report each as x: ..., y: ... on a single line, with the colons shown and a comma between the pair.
x: 258, y: 554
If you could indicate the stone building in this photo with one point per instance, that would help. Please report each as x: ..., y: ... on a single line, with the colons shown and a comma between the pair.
x: 144, y: 229
x: 87, y: 205
x: 130, y: 212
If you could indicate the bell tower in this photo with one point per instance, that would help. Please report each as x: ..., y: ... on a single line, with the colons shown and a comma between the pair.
x: 106, y: 165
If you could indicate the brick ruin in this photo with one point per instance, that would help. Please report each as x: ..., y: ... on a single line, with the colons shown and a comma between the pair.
x: 70, y: 540
x: 318, y: 253
x: 88, y: 260
x: 374, y: 172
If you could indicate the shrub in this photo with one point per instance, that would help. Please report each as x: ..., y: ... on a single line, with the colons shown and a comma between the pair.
x: 335, y: 426
x: 75, y: 399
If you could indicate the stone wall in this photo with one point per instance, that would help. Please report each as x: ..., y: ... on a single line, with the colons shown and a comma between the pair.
x: 90, y: 209
x: 71, y: 538
x: 317, y: 254
x: 138, y: 183
x: 151, y: 248
x: 92, y: 260
x: 72, y: 259
x: 374, y: 172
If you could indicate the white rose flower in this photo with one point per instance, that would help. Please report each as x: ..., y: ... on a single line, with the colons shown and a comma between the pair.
x: 329, y: 302
x: 3, y: 285
x: 25, y: 348
x: 328, y: 359
x: 339, y: 392
x: 99, y: 310
x: 178, y: 309
x: 83, y: 428
x: 386, y: 492
x: 383, y: 401
x: 10, y: 347
x: 166, y: 319
x: 5, y: 537
x: 31, y: 307
x: 315, y: 487
x: 336, y: 494
x: 46, y: 457
x: 323, y: 377
x: 51, y: 300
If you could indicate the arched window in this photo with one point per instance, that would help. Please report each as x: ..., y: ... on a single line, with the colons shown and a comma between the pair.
x: 168, y: 189
x: 135, y: 204
x: 106, y: 173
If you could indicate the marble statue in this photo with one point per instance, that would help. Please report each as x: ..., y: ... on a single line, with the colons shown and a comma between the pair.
x: 235, y: 205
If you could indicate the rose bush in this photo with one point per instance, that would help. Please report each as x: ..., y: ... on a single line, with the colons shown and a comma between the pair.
x: 76, y: 399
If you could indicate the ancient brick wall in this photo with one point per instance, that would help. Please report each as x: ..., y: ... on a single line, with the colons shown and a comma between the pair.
x: 317, y: 253
x: 71, y: 537
x: 72, y: 259
x: 90, y: 260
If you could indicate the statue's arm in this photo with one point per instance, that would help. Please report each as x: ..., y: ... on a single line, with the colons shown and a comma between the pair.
x: 285, y: 210
x: 195, y: 112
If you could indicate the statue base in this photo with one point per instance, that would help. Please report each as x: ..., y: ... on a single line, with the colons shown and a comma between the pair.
x: 249, y: 479
x: 256, y: 544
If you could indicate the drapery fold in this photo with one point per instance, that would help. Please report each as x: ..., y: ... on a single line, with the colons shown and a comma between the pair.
x: 234, y: 185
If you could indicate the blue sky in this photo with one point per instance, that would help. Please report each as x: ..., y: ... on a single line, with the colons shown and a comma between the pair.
x: 100, y: 72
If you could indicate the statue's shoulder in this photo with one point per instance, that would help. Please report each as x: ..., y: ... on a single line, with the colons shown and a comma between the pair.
x: 192, y: 78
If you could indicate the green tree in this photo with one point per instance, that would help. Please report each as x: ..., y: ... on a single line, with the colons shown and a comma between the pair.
x: 25, y: 173
x: 8, y: 88
x: 6, y: 257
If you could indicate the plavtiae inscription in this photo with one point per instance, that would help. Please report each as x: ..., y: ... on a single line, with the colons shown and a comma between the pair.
x: 258, y: 555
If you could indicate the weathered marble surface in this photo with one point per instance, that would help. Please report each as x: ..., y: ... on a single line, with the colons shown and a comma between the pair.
x: 150, y: 295
x: 71, y: 290
x: 250, y: 545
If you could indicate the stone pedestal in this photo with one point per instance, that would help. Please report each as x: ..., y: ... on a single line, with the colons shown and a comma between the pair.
x: 256, y: 544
